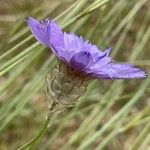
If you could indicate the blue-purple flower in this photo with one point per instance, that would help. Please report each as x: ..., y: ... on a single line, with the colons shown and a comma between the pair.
x: 80, y: 55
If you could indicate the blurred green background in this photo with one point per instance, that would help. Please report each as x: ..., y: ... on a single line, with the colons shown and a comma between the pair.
x: 113, y: 115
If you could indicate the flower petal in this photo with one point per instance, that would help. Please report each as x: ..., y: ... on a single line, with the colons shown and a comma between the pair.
x: 79, y: 54
x: 56, y: 35
x: 40, y: 32
x: 102, y: 60
x: 73, y: 42
x: 47, y: 32
x: 81, y: 60
x: 119, y: 71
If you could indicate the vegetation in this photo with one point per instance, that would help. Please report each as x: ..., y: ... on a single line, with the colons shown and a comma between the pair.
x: 112, y: 115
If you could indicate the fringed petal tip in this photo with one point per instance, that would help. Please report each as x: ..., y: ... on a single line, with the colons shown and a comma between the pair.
x: 143, y: 73
x: 136, y: 72
x: 113, y: 71
x: 28, y: 18
x: 107, y: 50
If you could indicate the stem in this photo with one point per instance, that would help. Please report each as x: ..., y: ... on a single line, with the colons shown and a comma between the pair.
x: 38, y: 135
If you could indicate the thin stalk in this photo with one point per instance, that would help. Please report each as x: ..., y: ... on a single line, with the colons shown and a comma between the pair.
x: 38, y: 135
x: 44, y: 128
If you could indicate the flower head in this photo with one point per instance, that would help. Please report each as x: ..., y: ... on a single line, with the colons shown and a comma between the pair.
x: 80, y: 55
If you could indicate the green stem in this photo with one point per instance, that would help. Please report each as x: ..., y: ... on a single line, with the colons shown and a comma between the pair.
x: 38, y: 135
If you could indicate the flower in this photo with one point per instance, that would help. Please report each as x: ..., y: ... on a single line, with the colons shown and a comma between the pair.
x: 80, y: 55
